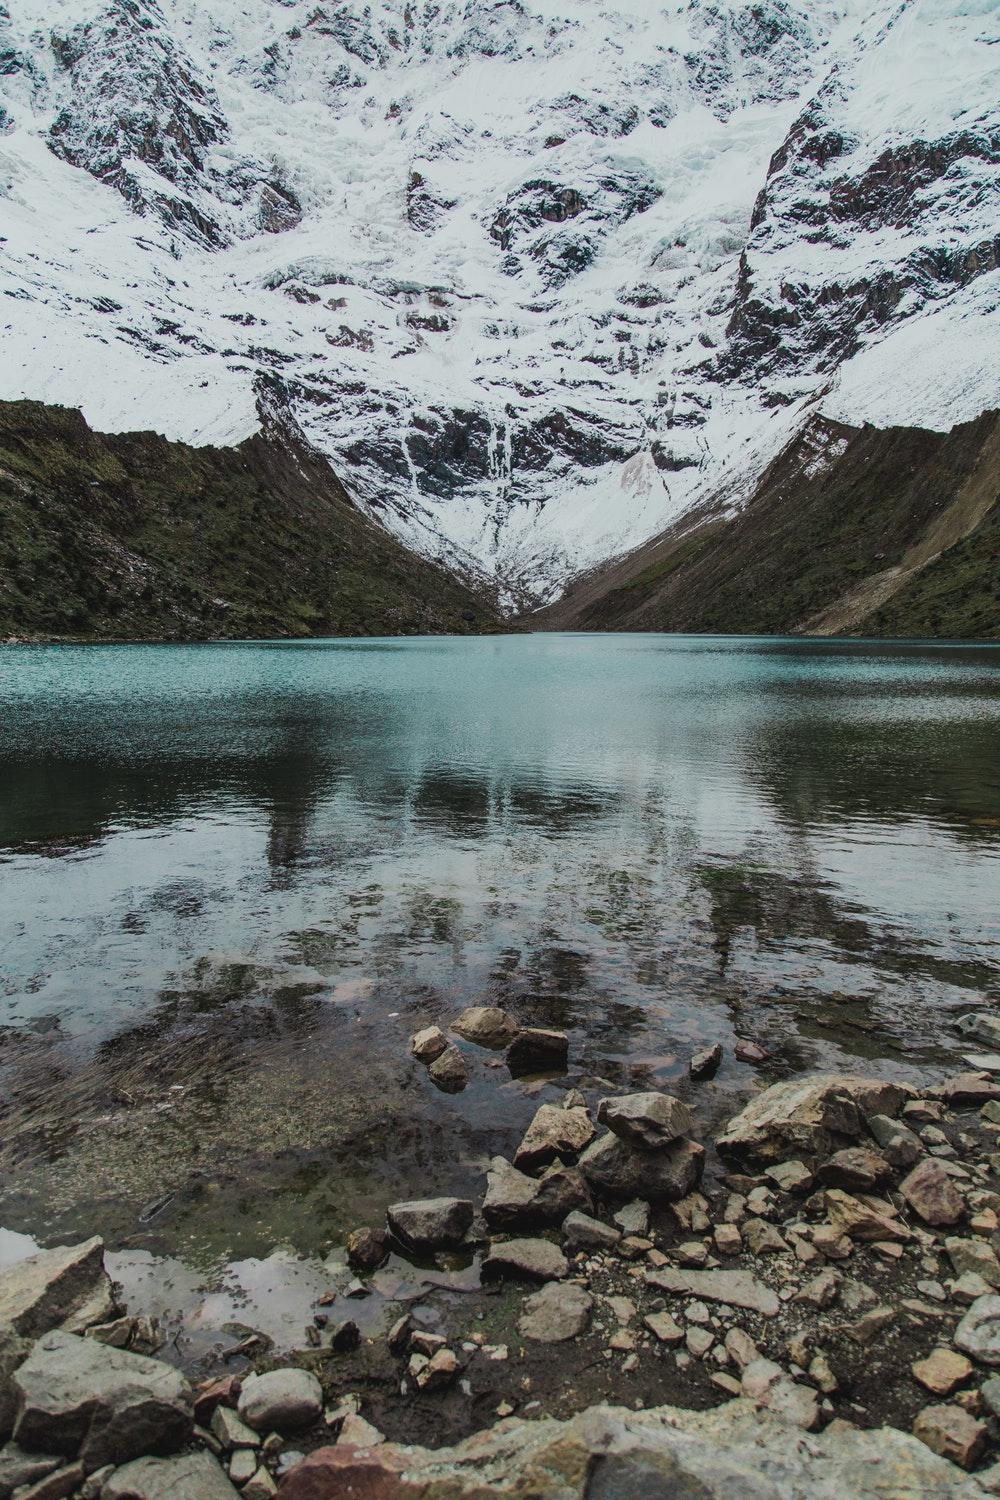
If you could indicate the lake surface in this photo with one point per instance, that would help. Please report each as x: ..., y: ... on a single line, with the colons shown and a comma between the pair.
x: 234, y: 879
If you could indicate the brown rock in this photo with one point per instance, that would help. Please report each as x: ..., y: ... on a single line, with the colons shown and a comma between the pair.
x: 862, y: 1221
x: 942, y: 1371
x: 751, y: 1052
x: 361, y: 1473
x: 856, y: 1169
x: 966, y: 1088
x: 428, y: 1044
x: 951, y: 1432
x: 213, y: 1393
x: 648, y: 1121
x: 367, y: 1248
x: 808, y: 1117
x: 932, y: 1194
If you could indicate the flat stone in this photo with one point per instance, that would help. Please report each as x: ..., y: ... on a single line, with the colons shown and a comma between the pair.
x: 951, y: 1432
x: 767, y: 1384
x: 706, y: 1062
x: 560, y: 1311
x: 554, y: 1133
x: 749, y: 1051
x: 790, y: 1176
x: 194, y: 1476
x: 978, y: 1334
x: 431, y: 1223
x: 281, y: 1400
x: 537, y: 1260
x: 898, y: 1145
x: 762, y: 1238
x: 486, y: 1025
x: 516, y: 1201
x: 100, y: 1404
x: 973, y: 1255
x: 51, y: 1289
x: 58, y: 1486
x: 449, y: 1071
x: 646, y: 1121
x: 428, y: 1044
x: 242, y: 1466
x: 581, y: 1232
x: 734, y: 1288
x: 861, y: 1221
x: 741, y: 1348
x: 857, y: 1169
x: 614, y: 1169
x: 808, y: 1117
x: 931, y: 1194
x: 942, y: 1372
x: 359, y: 1433
x: 664, y: 1329
x: 535, y: 1050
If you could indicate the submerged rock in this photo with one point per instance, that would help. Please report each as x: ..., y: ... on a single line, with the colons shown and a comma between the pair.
x: 535, y: 1050
x: 486, y: 1025
x: 646, y: 1121
x: 431, y: 1223
x: 449, y: 1071
x: 706, y: 1063
x: 104, y: 1405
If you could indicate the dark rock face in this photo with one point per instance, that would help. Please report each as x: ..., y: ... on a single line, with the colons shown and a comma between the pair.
x: 135, y: 97
x: 815, y: 194
x: 602, y: 202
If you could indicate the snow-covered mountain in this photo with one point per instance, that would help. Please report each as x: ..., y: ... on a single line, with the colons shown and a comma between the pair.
x: 536, y: 275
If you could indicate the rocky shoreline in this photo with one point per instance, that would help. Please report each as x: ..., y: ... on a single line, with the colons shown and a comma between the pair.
x: 811, y: 1299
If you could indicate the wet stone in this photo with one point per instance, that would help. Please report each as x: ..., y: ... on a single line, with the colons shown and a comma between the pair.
x: 428, y: 1044
x: 449, y: 1071
x: 932, y: 1195
x: 538, y: 1260
x: 431, y: 1223
x: 486, y: 1025
x: 367, y: 1248
x: 535, y: 1050
x: 516, y: 1201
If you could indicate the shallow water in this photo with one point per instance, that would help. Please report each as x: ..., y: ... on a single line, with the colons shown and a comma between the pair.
x: 235, y: 878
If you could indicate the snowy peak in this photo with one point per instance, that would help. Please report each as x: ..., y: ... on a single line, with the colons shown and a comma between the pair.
x: 537, y: 276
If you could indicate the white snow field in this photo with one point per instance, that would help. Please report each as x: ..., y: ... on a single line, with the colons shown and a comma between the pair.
x: 536, y: 275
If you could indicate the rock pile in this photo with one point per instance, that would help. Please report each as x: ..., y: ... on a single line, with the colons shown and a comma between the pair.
x: 527, y: 1049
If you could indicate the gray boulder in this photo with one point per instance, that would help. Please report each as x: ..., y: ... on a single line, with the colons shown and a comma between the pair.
x: 666, y: 1176
x: 646, y: 1121
x: 431, y: 1223
x: 280, y: 1401
x: 900, y: 1146
x: 516, y: 1201
x: 581, y: 1232
x: 554, y: 1133
x: 78, y: 1397
x: 67, y: 1287
x: 194, y: 1476
x: 980, y: 1026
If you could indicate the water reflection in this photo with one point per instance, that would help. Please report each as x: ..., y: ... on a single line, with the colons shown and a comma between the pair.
x: 234, y: 878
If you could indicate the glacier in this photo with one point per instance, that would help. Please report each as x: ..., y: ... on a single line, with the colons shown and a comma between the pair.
x: 536, y: 276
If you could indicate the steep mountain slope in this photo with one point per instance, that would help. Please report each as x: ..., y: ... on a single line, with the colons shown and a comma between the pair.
x: 138, y: 538
x: 864, y: 531
x: 538, y: 276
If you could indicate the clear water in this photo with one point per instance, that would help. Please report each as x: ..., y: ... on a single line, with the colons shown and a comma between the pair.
x: 235, y: 878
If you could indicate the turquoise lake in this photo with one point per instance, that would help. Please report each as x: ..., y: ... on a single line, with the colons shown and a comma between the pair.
x: 234, y: 879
